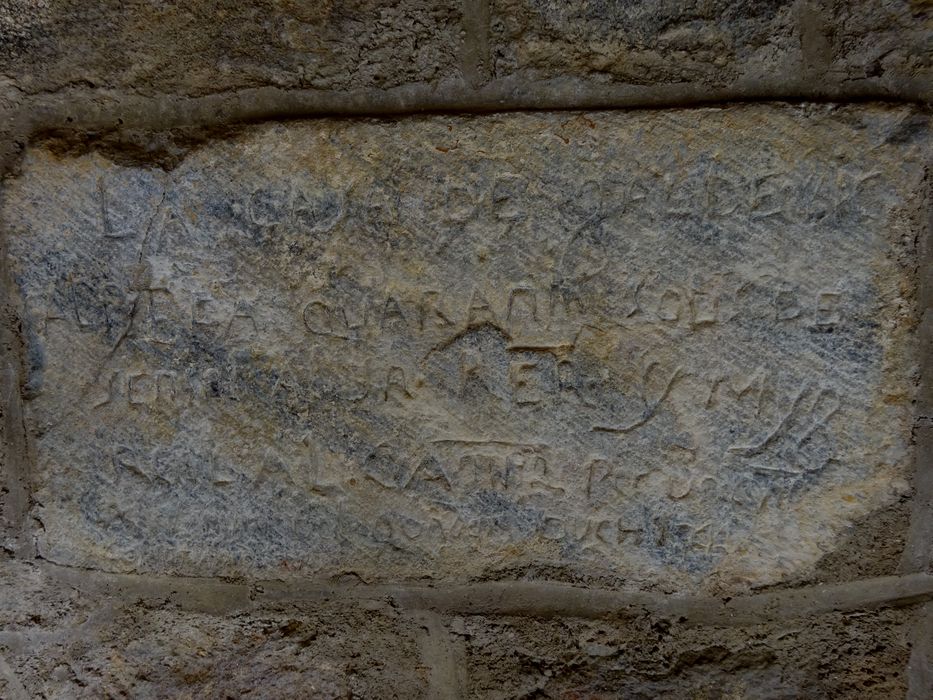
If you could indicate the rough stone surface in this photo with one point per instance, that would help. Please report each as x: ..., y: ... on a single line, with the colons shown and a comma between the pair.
x: 674, y: 349
x: 843, y: 656
x: 197, y: 48
x: 66, y: 643
x: 200, y: 47
x: 692, y: 349
x: 714, y: 43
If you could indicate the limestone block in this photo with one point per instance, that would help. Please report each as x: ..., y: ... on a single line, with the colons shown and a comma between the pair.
x: 673, y: 349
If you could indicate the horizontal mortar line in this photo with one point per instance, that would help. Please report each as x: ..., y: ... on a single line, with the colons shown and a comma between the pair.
x: 920, y: 663
x: 515, y: 598
x: 82, y: 108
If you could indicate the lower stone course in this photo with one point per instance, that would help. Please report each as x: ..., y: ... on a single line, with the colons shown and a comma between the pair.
x: 188, y: 365
x: 841, y: 656
x: 91, y: 642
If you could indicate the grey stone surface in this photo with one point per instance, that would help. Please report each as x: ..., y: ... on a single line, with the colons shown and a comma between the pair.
x: 673, y: 349
x: 176, y: 396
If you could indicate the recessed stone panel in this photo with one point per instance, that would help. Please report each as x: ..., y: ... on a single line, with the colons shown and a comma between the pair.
x: 672, y: 348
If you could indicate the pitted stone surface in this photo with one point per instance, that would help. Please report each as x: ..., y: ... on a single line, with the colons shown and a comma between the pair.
x: 197, y: 48
x: 674, y: 347
x: 713, y: 44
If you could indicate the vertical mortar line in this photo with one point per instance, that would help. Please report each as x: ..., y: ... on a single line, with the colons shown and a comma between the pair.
x: 816, y: 51
x: 444, y: 655
x: 475, y: 60
x: 918, y: 549
x: 920, y: 666
x: 14, y: 451
x: 15, y: 458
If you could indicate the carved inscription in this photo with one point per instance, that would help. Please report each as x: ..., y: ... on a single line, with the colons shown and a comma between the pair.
x: 576, y: 344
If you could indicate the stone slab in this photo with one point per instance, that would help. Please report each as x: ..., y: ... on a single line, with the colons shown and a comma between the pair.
x: 672, y: 348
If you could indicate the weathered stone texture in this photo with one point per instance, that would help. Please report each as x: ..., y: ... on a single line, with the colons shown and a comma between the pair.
x: 66, y: 643
x: 191, y: 639
x: 196, y: 48
x: 674, y: 349
x: 841, y: 656
x: 715, y: 44
x: 201, y: 47
x: 551, y: 404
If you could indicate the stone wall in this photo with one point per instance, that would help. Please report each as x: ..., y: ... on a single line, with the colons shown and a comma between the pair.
x: 466, y: 349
